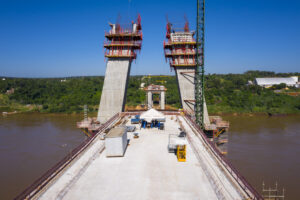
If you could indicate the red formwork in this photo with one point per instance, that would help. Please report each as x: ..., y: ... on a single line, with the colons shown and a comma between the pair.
x: 180, y: 52
x: 123, y: 42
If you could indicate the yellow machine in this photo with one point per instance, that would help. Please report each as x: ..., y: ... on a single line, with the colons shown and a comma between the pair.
x: 86, y: 132
x: 181, y: 153
x: 220, y: 131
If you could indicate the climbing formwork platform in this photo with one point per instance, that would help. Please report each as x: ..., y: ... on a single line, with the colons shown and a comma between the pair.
x: 121, y: 46
x: 181, y: 52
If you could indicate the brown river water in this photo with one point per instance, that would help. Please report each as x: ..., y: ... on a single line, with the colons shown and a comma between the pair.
x: 262, y: 148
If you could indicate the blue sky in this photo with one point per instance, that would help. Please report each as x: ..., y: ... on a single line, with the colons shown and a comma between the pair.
x: 51, y: 38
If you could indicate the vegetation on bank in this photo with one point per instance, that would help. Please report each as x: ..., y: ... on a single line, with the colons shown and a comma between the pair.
x: 225, y: 93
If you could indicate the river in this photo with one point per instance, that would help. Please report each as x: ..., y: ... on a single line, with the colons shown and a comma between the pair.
x: 262, y: 148
x: 30, y: 144
x: 267, y: 149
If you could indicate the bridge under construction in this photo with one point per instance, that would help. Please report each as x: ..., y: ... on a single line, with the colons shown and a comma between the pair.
x: 146, y: 170
x: 149, y: 154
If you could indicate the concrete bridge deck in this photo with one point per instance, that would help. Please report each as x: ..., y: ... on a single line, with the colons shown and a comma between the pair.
x: 147, y: 171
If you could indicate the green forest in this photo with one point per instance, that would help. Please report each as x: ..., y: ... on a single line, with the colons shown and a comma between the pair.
x: 225, y: 93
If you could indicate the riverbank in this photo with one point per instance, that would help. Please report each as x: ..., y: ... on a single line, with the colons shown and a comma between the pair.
x: 224, y: 93
x: 8, y: 106
x: 273, y: 111
x: 21, y: 109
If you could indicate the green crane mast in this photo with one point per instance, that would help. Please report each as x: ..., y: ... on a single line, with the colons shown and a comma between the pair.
x: 199, y: 74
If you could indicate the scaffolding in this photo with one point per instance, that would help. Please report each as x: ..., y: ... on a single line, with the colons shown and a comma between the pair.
x: 180, y: 47
x: 272, y: 193
x: 122, y: 41
x: 199, y: 72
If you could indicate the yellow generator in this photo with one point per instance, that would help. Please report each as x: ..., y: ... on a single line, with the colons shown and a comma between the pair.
x: 181, y: 153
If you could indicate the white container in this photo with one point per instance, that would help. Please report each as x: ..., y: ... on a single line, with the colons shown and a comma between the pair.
x: 116, y: 142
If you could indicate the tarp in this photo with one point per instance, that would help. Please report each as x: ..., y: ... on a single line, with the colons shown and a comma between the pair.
x: 152, y: 115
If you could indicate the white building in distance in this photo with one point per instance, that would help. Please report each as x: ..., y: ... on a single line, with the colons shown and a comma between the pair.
x: 269, y: 82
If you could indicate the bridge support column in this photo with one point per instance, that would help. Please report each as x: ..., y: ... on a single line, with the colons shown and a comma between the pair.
x: 149, y: 100
x: 114, y: 91
x: 185, y: 78
x: 162, y: 100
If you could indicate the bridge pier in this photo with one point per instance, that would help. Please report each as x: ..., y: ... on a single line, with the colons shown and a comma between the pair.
x: 114, y: 91
x: 180, y: 50
x: 121, y: 45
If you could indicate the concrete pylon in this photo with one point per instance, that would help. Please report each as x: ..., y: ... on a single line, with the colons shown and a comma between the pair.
x: 185, y: 79
x: 121, y: 45
x: 114, y: 91
x: 180, y: 50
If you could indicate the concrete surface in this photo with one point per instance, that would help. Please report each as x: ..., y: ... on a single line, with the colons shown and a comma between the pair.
x: 147, y: 171
x: 113, y: 95
x: 187, y: 90
x: 149, y: 100
x: 162, y: 100
x: 220, y: 180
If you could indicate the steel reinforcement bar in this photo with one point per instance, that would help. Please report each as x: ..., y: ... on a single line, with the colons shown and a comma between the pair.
x: 248, y: 189
x: 41, y: 182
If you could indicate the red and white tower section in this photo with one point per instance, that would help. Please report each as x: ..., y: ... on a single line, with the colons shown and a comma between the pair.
x: 122, y: 43
x: 180, y: 51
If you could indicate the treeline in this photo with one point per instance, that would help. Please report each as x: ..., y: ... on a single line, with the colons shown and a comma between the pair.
x: 55, y: 95
x: 231, y: 93
x: 225, y: 93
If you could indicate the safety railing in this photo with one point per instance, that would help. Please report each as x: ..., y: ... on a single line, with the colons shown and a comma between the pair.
x: 40, y: 183
x: 124, y: 33
x: 166, y: 112
x: 182, y: 53
x: 185, y: 63
x: 170, y: 43
x: 123, y: 43
x: 248, y: 189
x: 120, y: 54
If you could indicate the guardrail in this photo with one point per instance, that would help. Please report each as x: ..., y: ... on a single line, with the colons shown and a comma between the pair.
x: 124, y: 32
x: 41, y: 182
x: 248, y: 189
x: 166, y: 112
x: 123, y: 43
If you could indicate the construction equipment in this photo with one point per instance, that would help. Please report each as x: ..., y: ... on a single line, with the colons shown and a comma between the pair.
x: 219, y: 132
x: 199, y: 72
x: 136, y: 135
x: 116, y: 142
x: 86, y: 132
x: 175, y: 141
x: 181, y: 153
